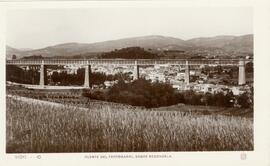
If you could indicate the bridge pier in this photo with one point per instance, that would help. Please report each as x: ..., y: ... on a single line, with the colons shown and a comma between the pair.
x: 241, y: 74
x: 87, y: 76
x: 187, y: 73
x: 136, y: 73
x: 43, y: 74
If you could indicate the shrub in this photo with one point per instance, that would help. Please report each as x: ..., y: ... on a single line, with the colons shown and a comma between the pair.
x: 141, y: 92
x: 244, y: 100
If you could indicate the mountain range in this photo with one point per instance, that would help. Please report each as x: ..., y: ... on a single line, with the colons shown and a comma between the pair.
x: 228, y: 44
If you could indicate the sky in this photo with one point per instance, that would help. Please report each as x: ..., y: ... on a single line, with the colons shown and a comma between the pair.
x: 38, y: 28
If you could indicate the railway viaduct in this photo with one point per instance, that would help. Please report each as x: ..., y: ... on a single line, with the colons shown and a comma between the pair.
x: 134, y: 62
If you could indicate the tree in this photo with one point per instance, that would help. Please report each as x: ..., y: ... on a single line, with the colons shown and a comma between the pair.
x: 229, y: 99
x: 192, y: 98
x: 14, y: 56
x: 142, y: 92
x: 243, y: 100
x: 208, y: 99
x: 249, y: 67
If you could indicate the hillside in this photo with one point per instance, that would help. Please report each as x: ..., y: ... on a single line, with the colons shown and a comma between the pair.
x: 13, y: 51
x: 236, y: 44
x: 129, y: 53
x: 227, y: 43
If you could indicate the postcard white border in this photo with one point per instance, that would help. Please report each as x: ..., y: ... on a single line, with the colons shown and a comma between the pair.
x: 260, y: 155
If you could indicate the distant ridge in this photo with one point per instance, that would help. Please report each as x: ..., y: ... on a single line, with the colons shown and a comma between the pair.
x: 236, y: 44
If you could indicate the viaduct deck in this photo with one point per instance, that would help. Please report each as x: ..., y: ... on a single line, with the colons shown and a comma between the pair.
x: 141, y: 62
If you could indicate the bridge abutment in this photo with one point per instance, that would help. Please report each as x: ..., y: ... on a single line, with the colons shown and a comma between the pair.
x: 87, y: 76
x: 187, y: 73
x: 242, y: 73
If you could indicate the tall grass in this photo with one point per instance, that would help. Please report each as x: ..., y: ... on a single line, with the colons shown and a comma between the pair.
x: 40, y: 127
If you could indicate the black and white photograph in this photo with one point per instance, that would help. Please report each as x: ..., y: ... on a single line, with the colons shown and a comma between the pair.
x: 138, y: 82
x: 125, y: 79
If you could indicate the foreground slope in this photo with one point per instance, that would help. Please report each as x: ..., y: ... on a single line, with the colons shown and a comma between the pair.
x: 34, y: 126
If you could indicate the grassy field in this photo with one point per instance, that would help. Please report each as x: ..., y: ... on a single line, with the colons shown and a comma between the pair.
x: 34, y: 126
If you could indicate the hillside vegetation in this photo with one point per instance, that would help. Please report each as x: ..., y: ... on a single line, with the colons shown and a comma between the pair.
x: 129, y: 53
x: 142, y: 92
